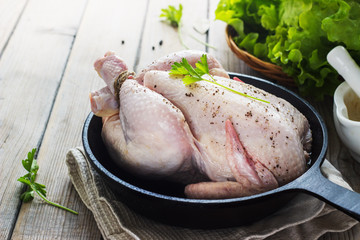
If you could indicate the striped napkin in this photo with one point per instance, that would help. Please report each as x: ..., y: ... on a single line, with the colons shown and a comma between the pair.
x: 304, y: 217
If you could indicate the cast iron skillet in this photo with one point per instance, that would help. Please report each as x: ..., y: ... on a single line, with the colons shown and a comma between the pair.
x: 165, y: 201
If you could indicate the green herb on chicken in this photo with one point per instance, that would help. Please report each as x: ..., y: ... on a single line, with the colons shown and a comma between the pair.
x: 192, y: 75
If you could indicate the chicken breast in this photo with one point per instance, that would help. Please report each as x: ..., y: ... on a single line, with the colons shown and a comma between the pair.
x: 219, y: 143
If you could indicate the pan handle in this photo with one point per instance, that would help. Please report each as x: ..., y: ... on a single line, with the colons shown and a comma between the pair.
x: 339, y: 197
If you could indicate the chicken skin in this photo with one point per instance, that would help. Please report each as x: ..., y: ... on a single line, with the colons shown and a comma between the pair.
x: 219, y: 143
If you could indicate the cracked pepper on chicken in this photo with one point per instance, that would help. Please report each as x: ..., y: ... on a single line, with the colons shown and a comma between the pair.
x: 218, y: 143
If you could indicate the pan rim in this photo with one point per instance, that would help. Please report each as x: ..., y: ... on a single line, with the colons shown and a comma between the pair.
x: 287, y: 187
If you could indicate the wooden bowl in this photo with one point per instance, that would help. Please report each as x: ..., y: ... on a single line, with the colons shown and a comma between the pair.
x: 268, y: 69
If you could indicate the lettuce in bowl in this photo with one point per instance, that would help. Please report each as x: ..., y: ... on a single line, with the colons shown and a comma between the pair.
x: 296, y: 35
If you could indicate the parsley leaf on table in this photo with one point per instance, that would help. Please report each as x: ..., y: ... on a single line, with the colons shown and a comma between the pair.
x: 30, y: 165
x: 172, y: 15
x: 192, y: 75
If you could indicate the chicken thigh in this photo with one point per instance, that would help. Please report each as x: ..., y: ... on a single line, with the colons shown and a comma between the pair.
x: 220, y: 144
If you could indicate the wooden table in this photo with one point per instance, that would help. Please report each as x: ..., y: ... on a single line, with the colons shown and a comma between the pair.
x: 47, y: 50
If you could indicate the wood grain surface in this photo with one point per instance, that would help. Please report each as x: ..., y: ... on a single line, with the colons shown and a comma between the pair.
x: 47, y: 51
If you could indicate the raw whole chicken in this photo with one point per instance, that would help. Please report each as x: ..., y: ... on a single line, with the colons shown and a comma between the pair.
x: 220, y: 144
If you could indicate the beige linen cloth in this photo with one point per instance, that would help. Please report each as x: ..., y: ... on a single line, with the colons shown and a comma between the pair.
x: 304, y: 217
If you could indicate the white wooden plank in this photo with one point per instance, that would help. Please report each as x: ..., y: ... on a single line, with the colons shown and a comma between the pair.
x: 223, y: 52
x: 30, y: 70
x: 10, y: 12
x: 104, y: 26
x: 156, y: 30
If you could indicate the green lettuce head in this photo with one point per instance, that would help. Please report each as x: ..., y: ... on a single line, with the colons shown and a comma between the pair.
x: 296, y: 35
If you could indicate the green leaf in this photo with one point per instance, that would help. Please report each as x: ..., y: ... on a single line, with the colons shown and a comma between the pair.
x: 27, y: 196
x: 178, y: 69
x: 40, y: 188
x: 172, y: 15
x: 249, y: 41
x: 192, y: 75
x: 34, y: 166
x: 238, y: 26
x: 291, y: 30
x: 32, y: 177
x: 191, y: 71
x: 24, y: 180
x: 295, y: 55
x: 187, y: 80
x: 344, y: 25
x: 202, y: 66
x: 269, y: 16
x: 30, y: 164
x: 27, y: 163
x: 260, y: 50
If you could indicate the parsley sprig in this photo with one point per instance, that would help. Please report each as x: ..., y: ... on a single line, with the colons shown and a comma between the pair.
x: 172, y: 15
x: 192, y: 75
x: 30, y: 165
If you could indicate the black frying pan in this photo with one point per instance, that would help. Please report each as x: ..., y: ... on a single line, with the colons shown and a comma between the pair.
x: 165, y: 201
